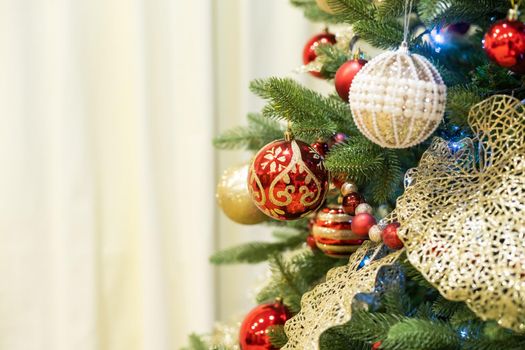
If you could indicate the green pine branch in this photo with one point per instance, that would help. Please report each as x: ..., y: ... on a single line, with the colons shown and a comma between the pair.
x: 419, y: 334
x: 313, y: 12
x: 312, y: 115
x: 390, y: 9
x: 196, y: 343
x: 295, y: 275
x: 256, y: 252
x: 277, y: 336
x: 259, y: 132
x: 351, y: 11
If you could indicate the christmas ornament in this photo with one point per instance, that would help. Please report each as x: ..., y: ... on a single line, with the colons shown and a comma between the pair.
x: 310, y: 241
x: 351, y: 201
x: 398, y: 98
x: 361, y: 224
x: 329, y: 304
x: 287, y: 179
x: 323, y: 5
x: 345, y: 75
x: 376, y: 345
x: 364, y: 208
x: 253, y: 334
x: 309, y: 54
x: 390, y: 237
x: 235, y: 200
x: 375, y: 234
x: 504, y: 43
x: 339, y: 138
x: 348, y: 188
x: 321, y: 147
x: 333, y: 233
x: 461, y: 214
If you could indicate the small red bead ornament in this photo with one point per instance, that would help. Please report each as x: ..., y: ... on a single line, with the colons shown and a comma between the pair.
x: 309, y: 53
x: 321, y: 147
x: 376, y: 345
x: 351, y: 201
x: 504, y: 43
x: 361, y: 224
x: 345, y: 75
x: 310, y: 241
x: 253, y: 333
x: 333, y: 233
x: 287, y: 179
x: 390, y: 237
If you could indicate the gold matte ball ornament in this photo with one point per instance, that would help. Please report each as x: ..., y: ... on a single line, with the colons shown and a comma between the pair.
x: 234, y: 198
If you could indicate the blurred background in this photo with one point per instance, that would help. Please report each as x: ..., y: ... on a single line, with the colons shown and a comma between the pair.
x: 107, y: 208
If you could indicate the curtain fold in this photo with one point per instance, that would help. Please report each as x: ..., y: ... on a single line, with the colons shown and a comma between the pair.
x: 106, y: 191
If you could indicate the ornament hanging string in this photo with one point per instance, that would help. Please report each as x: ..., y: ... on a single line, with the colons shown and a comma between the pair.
x: 515, y: 4
x: 406, y: 23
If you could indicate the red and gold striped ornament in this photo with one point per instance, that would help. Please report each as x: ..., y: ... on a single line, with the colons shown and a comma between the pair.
x: 333, y: 233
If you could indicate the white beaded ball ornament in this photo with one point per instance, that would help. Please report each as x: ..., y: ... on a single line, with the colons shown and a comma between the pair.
x: 398, y: 99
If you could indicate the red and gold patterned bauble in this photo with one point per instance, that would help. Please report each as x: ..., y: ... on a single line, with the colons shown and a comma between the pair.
x: 351, y: 201
x: 253, y: 334
x: 390, y: 237
x: 333, y: 233
x: 309, y: 53
x: 345, y: 75
x: 287, y: 179
x: 361, y: 224
x: 504, y: 43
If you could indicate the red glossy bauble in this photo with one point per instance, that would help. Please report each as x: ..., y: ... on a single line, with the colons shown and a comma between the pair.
x: 376, y: 345
x: 390, y: 237
x: 253, y: 334
x: 345, y: 75
x: 351, y: 201
x: 310, y: 241
x: 361, y: 224
x: 287, y: 180
x: 504, y: 44
x: 309, y: 53
x: 321, y: 147
x: 333, y: 233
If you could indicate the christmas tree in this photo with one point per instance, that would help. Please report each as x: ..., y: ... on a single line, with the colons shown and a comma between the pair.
x: 398, y: 200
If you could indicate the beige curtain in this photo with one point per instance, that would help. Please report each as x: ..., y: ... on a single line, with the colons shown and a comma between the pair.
x: 106, y: 187
x: 107, y: 210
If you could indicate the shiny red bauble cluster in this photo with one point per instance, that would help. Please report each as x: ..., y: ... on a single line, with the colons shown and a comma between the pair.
x: 504, y: 44
x: 345, y: 75
x: 287, y: 180
x: 309, y: 54
x: 253, y: 333
x: 333, y: 233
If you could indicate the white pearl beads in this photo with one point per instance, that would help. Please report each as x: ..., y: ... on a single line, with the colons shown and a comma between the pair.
x: 398, y: 99
x: 364, y: 208
x: 375, y: 234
